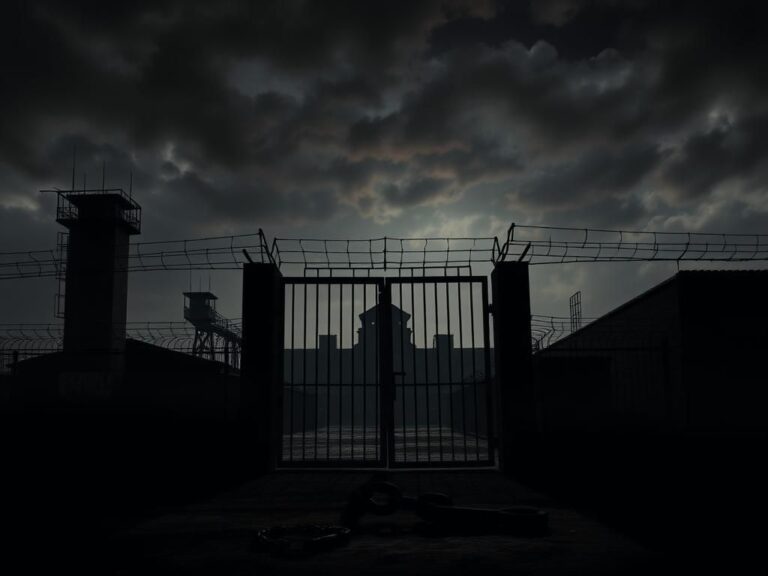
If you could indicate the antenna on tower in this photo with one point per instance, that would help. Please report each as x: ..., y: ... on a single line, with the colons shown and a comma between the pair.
x: 103, y: 174
x: 575, y: 305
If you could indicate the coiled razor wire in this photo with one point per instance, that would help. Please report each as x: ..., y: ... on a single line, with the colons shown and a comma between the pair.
x: 22, y: 341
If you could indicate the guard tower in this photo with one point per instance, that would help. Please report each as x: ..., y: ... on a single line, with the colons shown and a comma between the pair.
x: 100, y: 224
x: 400, y: 330
x: 212, y: 331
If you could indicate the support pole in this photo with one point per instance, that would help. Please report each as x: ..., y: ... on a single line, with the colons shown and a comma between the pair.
x: 514, y: 384
x: 261, y: 373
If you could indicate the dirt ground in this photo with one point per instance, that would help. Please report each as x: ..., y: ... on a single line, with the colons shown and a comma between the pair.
x: 218, y: 536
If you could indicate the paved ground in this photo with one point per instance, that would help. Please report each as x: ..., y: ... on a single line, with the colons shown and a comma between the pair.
x: 412, y: 445
x: 217, y: 536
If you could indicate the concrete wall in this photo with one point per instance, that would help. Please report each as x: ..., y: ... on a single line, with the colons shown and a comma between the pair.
x: 654, y: 417
x: 622, y: 370
x: 685, y: 357
x: 725, y: 341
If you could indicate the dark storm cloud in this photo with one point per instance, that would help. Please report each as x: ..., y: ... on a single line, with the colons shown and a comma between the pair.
x: 729, y: 149
x: 372, y: 118
x: 593, y: 177
x: 299, y: 111
x: 416, y: 192
x: 531, y: 93
x: 244, y: 203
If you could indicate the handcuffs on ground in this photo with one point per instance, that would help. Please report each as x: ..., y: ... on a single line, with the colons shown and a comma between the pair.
x: 383, y: 498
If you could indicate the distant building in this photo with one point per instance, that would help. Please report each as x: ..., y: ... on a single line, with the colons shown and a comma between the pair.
x: 342, y: 384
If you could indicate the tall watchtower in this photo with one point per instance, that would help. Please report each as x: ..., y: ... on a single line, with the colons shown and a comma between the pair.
x: 100, y: 224
x: 210, y: 327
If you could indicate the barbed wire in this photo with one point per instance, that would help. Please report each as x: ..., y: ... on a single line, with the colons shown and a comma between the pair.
x: 212, y: 253
x: 383, y: 254
x: 556, y: 245
x: 22, y: 341
x: 532, y: 244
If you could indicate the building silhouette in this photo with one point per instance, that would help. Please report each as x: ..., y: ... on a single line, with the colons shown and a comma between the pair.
x: 329, y: 385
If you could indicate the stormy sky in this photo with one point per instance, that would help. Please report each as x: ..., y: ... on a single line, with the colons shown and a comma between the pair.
x: 365, y: 119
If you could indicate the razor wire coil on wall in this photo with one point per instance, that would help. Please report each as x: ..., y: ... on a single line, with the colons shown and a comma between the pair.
x: 22, y: 341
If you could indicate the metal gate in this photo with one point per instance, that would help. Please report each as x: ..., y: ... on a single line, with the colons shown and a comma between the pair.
x: 367, y: 388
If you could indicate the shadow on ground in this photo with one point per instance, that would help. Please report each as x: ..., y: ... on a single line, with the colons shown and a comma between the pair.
x: 178, y: 500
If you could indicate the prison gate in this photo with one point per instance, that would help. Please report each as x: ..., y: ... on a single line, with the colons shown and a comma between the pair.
x: 393, y: 371
x: 405, y: 388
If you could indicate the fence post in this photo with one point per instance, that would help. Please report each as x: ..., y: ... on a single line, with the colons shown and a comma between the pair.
x: 515, y: 398
x: 261, y: 375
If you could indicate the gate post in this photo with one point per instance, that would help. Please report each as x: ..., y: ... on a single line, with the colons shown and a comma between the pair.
x: 261, y: 374
x: 515, y: 399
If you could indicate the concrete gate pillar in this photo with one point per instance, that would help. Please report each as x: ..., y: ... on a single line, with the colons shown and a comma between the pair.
x: 261, y: 370
x: 514, y: 384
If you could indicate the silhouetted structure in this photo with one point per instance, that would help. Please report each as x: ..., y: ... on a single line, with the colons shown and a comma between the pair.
x: 212, y: 331
x: 97, y: 364
x: 654, y: 414
x: 100, y: 223
x: 684, y: 357
x: 439, y: 391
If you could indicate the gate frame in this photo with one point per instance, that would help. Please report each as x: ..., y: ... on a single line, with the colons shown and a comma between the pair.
x: 386, y: 383
x: 381, y: 461
x: 488, y: 380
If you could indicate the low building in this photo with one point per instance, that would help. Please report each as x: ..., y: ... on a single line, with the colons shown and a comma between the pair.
x: 684, y: 357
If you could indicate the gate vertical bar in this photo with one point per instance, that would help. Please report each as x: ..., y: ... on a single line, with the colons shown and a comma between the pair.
x: 438, y: 372
x: 365, y: 377
x: 449, y: 352
x: 487, y: 369
x: 386, y: 377
x: 293, y: 361
x: 353, y: 380
x: 328, y: 381
x: 426, y: 370
x: 377, y: 371
x: 317, y: 365
x: 304, y: 381
x: 341, y: 370
x: 461, y: 374
x: 401, y: 337
x: 474, y: 370
x: 413, y: 377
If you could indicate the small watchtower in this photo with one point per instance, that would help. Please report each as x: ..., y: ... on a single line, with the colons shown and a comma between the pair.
x: 212, y: 330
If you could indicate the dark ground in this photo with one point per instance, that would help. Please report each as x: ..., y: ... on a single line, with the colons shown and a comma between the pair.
x: 155, y: 499
x: 218, y: 535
